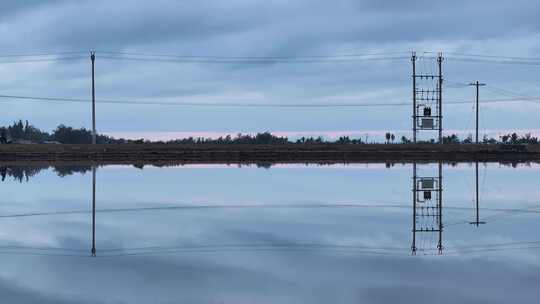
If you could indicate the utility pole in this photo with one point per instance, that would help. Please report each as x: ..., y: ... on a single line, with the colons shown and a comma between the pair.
x: 477, y: 84
x: 93, y: 59
x: 413, y: 60
x: 439, y: 61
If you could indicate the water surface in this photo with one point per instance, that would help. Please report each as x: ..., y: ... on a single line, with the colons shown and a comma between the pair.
x: 284, y: 234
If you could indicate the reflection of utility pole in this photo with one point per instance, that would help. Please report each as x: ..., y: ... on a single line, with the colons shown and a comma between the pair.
x: 477, y: 222
x: 93, y: 210
x: 413, y: 247
x: 439, y: 204
x: 477, y: 85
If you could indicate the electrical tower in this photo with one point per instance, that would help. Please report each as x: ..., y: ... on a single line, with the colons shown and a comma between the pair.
x: 427, y: 211
x: 427, y: 95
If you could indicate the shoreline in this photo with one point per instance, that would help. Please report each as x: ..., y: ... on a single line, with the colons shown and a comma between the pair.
x: 286, y: 153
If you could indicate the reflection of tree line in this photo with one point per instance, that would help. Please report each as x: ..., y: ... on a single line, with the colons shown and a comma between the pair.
x: 24, y: 173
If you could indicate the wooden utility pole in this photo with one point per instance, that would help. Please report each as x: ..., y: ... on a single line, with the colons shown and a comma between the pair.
x: 93, y: 59
x: 413, y: 60
x: 477, y: 84
x: 440, y: 85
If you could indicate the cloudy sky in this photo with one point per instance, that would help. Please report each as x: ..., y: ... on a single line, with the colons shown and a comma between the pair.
x: 322, y: 39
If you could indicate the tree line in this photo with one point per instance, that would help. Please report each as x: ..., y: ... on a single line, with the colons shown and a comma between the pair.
x: 24, y: 132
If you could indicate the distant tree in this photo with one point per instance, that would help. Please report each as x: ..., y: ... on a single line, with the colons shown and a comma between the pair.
x: 393, y: 138
x: 388, y: 136
x: 451, y: 139
x: 514, y: 139
x: 344, y: 140
x: 505, y: 138
x: 405, y: 140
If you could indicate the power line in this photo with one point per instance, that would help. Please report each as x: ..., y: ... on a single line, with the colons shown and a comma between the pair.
x: 500, y: 61
x: 251, y: 61
x: 255, y: 105
x: 43, y: 59
x: 144, y: 54
x: 41, y: 54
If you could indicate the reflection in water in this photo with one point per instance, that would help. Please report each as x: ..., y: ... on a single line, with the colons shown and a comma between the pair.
x: 477, y: 222
x: 93, y: 211
x: 23, y: 173
x: 311, y: 234
x: 427, y: 210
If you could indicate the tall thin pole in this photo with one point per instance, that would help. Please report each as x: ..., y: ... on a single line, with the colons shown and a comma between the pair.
x: 439, y: 61
x: 413, y: 60
x: 93, y: 59
x: 94, y: 210
x: 477, y: 84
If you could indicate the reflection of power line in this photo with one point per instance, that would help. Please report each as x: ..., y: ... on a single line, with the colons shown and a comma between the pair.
x: 216, y: 248
x: 155, y: 250
x: 483, y: 250
x: 250, y: 206
x: 253, y: 206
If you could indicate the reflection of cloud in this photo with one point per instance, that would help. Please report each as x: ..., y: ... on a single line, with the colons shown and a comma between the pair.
x: 13, y: 293
x: 248, y: 276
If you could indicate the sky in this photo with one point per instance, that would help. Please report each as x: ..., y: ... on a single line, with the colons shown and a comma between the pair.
x: 323, y: 39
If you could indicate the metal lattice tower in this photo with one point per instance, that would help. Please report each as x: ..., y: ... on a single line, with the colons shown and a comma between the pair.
x: 427, y: 96
x: 427, y: 211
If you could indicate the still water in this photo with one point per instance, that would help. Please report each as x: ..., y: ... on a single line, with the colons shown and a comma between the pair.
x: 285, y: 234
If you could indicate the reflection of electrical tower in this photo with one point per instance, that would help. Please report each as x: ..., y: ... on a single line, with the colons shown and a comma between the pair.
x: 427, y: 98
x: 477, y: 222
x: 427, y: 211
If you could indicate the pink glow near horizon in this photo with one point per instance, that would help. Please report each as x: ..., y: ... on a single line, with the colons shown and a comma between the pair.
x: 370, y: 134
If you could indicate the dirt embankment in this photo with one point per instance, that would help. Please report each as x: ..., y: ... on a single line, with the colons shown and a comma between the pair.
x: 207, y: 153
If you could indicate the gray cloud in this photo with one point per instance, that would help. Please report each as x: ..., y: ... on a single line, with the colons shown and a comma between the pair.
x: 259, y: 28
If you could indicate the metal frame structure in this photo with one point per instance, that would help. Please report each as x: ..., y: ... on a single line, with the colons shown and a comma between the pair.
x: 427, y: 212
x: 427, y: 103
